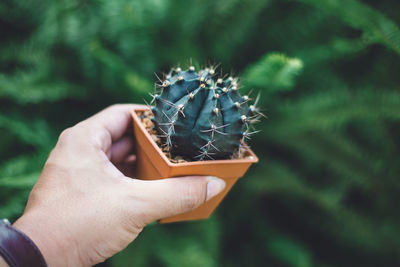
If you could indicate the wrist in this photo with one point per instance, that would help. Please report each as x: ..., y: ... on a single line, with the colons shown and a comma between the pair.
x: 54, y: 244
x: 3, y: 263
x: 17, y: 249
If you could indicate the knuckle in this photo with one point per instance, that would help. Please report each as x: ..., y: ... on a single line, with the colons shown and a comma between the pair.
x: 66, y: 134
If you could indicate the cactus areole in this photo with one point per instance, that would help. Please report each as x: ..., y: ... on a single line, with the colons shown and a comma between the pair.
x: 200, y: 116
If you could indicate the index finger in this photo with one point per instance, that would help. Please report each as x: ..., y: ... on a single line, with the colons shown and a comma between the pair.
x: 110, y: 124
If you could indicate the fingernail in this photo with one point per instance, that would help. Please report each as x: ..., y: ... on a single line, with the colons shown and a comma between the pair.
x: 214, y: 187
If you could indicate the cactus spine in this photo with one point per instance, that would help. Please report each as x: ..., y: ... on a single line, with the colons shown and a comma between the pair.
x: 202, y: 117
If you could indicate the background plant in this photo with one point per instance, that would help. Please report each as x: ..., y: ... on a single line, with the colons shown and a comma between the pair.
x: 326, y: 192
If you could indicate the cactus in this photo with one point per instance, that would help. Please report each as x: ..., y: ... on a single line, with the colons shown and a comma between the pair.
x: 202, y: 117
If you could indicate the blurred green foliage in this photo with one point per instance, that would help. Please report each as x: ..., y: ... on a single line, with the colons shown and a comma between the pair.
x: 326, y: 190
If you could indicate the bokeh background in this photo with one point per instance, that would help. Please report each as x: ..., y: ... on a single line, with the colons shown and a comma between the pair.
x: 326, y: 191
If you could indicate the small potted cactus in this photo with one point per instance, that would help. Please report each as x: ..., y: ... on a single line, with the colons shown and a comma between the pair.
x: 197, y: 126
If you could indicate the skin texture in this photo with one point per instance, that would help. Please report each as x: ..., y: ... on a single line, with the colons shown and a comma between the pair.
x: 85, y: 207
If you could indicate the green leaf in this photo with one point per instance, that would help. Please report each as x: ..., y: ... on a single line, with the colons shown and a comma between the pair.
x: 290, y: 252
x: 35, y: 132
x: 336, y: 108
x: 25, y: 181
x: 273, y: 72
x: 375, y: 25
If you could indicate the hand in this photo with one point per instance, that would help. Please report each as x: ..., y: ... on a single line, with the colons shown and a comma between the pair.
x: 83, y: 209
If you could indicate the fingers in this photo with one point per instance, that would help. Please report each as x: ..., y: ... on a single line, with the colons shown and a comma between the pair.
x: 127, y: 166
x: 121, y: 149
x: 173, y: 196
x: 109, y: 125
x: 97, y: 133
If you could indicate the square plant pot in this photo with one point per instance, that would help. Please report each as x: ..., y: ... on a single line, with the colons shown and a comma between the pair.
x: 152, y: 164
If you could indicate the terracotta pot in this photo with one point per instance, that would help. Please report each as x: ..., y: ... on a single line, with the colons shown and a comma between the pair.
x: 152, y: 164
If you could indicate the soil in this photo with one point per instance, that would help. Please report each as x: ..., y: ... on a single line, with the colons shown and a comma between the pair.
x: 146, y: 116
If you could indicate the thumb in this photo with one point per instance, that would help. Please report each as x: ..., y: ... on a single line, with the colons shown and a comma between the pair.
x: 173, y: 196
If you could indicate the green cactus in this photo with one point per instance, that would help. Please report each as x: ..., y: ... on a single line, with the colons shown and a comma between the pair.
x: 200, y: 116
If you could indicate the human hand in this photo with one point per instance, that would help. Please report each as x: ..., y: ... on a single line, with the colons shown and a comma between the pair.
x: 84, y: 208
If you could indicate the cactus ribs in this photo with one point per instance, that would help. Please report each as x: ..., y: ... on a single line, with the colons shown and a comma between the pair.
x: 202, y: 117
